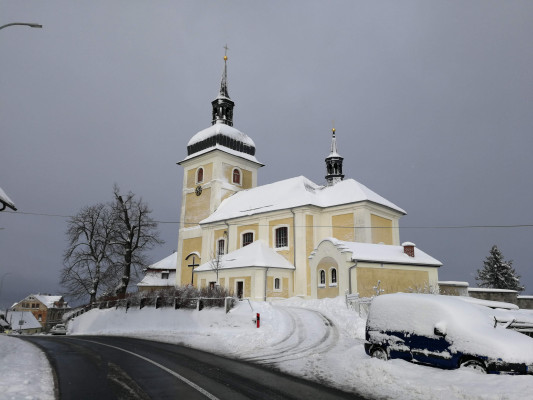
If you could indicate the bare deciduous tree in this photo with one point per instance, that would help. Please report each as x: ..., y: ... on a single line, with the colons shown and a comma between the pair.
x: 135, y: 232
x: 107, y: 241
x: 89, y: 253
x: 216, y: 264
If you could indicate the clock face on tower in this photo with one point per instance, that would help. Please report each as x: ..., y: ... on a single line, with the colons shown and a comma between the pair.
x: 198, y: 190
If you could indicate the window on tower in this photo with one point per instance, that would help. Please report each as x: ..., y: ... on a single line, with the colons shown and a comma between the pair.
x: 236, y: 176
x: 200, y: 175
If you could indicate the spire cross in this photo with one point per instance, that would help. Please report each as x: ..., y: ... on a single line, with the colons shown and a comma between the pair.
x: 226, y: 52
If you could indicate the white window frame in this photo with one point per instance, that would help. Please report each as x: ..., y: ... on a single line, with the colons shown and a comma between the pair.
x: 320, y: 284
x: 280, y: 289
x: 240, y: 176
x: 244, y: 233
x: 274, y: 240
x: 203, y: 174
x: 331, y: 283
x: 165, y: 272
x: 218, y: 253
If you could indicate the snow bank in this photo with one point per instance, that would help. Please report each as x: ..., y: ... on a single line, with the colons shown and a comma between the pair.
x: 24, y: 370
x: 210, y: 329
x: 341, y: 363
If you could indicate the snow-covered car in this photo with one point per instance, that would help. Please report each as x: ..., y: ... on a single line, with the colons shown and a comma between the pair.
x: 59, y: 329
x: 446, y: 332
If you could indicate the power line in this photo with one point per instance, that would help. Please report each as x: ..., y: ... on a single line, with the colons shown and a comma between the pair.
x: 511, y: 226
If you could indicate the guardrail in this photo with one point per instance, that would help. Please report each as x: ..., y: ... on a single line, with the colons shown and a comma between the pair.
x: 198, y: 303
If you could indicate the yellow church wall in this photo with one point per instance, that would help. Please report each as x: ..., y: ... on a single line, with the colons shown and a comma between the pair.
x: 270, y: 286
x: 191, y: 175
x: 285, y: 288
x: 381, y: 229
x: 246, y: 179
x: 247, y: 285
x: 189, y: 246
x: 246, y: 228
x: 203, y: 283
x: 393, y: 279
x: 196, y: 207
x: 286, y: 252
x: 246, y: 175
x: 343, y: 227
x: 222, y: 282
x: 328, y: 290
x: 309, y: 247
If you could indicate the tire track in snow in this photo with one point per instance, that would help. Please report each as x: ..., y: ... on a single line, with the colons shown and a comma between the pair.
x: 300, y: 342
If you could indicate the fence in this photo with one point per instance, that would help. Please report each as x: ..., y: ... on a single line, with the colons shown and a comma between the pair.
x: 195, y: 303
x: 358, y: 304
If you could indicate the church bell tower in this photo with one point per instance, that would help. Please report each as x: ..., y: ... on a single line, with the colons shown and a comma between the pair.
x: 334, y: 163
x: 220, y: 162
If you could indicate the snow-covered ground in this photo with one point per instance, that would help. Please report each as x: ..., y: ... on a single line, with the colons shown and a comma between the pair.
x: 317, y: 339
x: 24, y: 371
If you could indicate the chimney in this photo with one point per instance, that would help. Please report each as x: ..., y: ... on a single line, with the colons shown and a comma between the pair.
x: 409, y: 248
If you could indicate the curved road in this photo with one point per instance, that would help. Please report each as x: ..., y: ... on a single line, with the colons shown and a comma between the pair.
x: 105, y: 367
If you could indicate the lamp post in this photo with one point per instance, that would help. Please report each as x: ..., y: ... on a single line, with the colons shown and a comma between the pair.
x: 1, y: 284
x: 31, y: 25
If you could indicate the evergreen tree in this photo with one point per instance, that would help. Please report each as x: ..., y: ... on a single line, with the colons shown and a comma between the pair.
x: 498, y: 273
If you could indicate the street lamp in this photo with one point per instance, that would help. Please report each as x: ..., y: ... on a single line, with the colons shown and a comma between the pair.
x: 31, y: 25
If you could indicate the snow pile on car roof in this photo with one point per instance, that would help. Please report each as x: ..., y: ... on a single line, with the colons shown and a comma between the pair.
x: 469, y: 327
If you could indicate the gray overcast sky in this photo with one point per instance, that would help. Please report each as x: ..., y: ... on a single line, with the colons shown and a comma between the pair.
x: 431, y: 100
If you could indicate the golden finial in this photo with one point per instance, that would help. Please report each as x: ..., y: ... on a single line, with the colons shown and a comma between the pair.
x: 333, y: 129
x: 226, y: 52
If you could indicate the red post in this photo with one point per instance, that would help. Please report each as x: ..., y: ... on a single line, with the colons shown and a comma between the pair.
x: 258, y: 319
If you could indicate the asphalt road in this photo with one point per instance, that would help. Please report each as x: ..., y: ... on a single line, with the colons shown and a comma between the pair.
x: 104, y: 367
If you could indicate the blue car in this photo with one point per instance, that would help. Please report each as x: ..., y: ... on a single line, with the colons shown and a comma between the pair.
x: 445, y: 332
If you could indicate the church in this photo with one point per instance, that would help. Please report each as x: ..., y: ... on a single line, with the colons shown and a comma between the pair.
x: 288, y: 238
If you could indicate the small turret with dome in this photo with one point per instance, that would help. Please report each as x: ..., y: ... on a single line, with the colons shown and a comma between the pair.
x: 334, y: 163
x: 221, y: 133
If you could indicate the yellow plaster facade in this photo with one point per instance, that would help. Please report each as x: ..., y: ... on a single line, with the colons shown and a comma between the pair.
x: 381, y: 229
x: 343, y: 227
x: 366, y: 219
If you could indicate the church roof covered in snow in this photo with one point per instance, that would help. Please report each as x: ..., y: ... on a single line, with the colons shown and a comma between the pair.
x: 294, y: 192
x: 256, y: 254
x: 383, y: 253
x: 222, y: 137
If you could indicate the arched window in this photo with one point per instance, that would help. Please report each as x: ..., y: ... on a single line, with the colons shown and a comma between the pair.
x: 277, y: 284
x: 333, y: 280
x: 221, y: 247
x: 322, y: 278
x: 247, y: 238
x: 236, y: 176
x: 200, y: 175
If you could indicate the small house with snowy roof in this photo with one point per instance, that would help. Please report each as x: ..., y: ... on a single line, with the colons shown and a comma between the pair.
x: 160, y: 275
x: 23, y: 322
x: 47, y: 309
x: 287, y: 238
